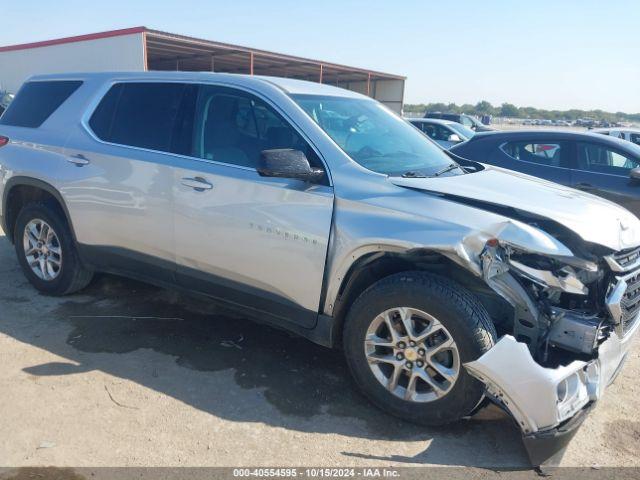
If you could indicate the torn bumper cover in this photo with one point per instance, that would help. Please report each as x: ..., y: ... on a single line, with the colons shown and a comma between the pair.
x: 549, y: 404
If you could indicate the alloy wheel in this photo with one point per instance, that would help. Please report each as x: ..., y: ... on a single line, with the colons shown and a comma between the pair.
x: 412, y: 354
x: 42, y: 250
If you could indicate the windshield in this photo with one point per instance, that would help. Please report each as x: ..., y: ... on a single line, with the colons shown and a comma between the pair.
x: 465, y: 132
x: 375, y: 137
x: 472, y: 121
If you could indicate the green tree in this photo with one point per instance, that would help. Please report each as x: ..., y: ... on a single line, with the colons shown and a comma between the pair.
x: 484, y: 108
x: 508, y: 110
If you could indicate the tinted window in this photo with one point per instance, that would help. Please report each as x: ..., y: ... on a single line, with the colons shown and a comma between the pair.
x: 235, y: 127
x: 462, y: 131
x: 466, y: 121
x: 418, y: 125
x: 36, y: 101
x: 546, y: 153
x: 602, y: 159
x: 437, y: 132
x: 635, y: 138
x: 146, y: 115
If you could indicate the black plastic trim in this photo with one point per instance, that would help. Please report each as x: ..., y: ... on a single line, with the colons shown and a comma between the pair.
x: 31, y: 182
x: 546, y: 449
x: 263, y: 307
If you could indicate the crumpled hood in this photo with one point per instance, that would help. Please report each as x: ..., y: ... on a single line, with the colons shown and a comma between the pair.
x: 594, y: 219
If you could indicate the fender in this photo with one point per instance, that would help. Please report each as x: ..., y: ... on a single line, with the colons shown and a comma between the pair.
x: 18, y: 181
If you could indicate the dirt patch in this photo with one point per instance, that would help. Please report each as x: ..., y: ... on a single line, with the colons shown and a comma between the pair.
x: 624, y: 435
x: 42, y: 473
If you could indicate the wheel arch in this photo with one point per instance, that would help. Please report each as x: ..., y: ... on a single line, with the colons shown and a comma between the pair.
x: 21, y: 190
x: 373, y: 267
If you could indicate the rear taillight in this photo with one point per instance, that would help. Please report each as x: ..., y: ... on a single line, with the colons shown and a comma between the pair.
x: 3, y: 141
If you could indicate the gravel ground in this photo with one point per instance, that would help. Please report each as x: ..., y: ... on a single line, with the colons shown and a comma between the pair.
x: 125, y: 374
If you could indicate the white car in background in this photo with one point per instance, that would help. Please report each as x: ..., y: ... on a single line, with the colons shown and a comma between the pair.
x: 629, y: 134
x: 445, y: 133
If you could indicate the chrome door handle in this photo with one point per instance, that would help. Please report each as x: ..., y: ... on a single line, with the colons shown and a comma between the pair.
x: 78, y: 160
x: 197, y: 183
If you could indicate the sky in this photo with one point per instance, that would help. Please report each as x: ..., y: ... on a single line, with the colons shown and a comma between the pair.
x: 548, y: 54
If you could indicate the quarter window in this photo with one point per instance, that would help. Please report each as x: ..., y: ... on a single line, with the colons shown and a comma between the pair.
x: 235, y: 127
x: 545, y: 153
x: 635, y: 138
x: 145, y: 115
x: 602, y: 159
x: 36, y: 101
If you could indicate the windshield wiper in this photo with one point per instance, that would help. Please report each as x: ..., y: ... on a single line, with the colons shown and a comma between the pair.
x: 412, y: 174
x: 448, y: 168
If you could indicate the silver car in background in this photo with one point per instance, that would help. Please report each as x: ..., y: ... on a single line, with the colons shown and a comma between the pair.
x: 445, y: 133
x: 318, y: 210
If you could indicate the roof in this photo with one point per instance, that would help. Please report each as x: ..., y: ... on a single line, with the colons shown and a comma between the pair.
x: 164, y: 50
x: 290, y: 86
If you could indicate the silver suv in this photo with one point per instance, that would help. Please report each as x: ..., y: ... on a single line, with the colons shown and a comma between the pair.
x: 318, y: 210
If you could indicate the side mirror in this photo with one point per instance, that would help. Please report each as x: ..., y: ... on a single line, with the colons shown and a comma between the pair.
x: 288, y: 163
x: 634, y: 173
x: 454, y: 137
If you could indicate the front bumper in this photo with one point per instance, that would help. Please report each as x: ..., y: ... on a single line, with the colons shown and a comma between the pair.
x: 549, y: 404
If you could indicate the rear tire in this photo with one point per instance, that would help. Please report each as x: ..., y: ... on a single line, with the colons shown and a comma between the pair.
x: 51, y: 262
x: 425, y: 382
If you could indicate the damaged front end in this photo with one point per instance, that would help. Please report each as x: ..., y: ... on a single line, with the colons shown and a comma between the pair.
x: 575, y: 317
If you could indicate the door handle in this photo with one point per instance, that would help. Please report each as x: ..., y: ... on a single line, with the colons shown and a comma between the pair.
x: 584, y: 186
x: 199, y: 184
x: 79, y: 160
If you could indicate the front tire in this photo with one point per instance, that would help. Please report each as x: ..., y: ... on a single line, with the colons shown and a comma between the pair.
x: 47, y: 252
x: 406, y: 339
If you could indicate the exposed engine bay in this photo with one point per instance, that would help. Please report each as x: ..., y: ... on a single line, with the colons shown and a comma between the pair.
x: 574, y: 318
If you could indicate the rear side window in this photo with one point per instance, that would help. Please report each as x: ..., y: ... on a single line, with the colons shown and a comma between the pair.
x: 36, y: 101
x: 602, y: 159
x: 553, y: 154
x: 156, y: 116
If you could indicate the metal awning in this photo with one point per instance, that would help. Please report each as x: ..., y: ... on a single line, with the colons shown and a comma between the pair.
x: 168, y: 51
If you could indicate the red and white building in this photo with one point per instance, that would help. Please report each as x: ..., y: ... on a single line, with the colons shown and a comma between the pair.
x: 143, y: 49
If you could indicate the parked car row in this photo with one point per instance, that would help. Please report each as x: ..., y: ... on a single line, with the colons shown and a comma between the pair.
x: 628, y: 134
x: 548, y: 123
x: 444, y: 280
x: 468, y: 121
